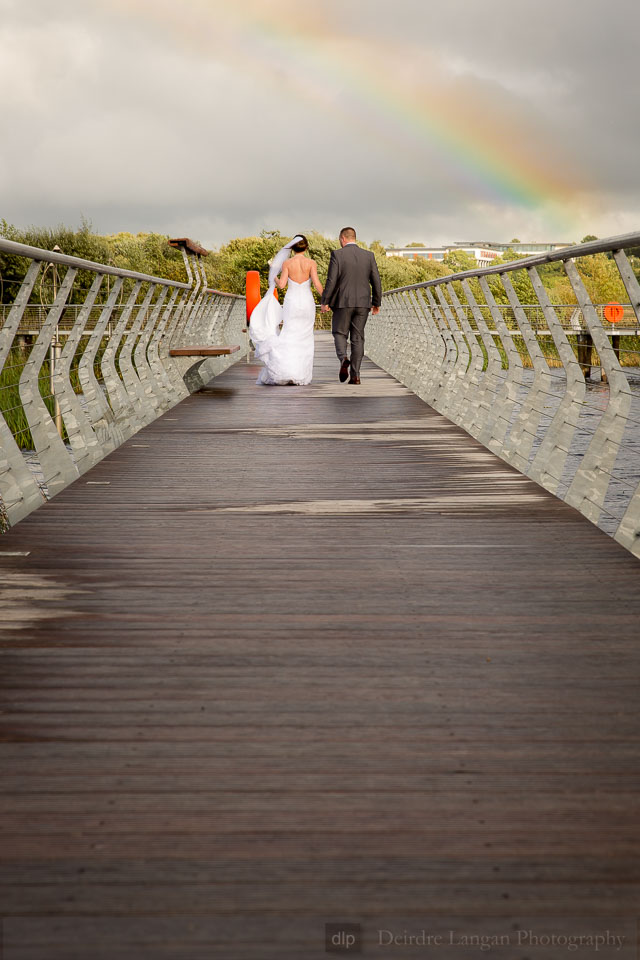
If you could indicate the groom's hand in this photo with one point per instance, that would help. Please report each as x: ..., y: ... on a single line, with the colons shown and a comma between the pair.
x: 375, y: 310
x: 324, y: 308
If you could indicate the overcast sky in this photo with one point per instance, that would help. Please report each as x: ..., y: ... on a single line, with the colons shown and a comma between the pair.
x: 424, y: 120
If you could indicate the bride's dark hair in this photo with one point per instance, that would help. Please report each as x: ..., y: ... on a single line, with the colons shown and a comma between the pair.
x: 301, y: 245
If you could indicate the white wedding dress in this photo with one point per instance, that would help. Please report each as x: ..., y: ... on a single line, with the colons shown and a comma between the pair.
x: 287, y: 353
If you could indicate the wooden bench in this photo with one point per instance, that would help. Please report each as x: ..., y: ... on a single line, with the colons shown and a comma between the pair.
x: 202, y: 351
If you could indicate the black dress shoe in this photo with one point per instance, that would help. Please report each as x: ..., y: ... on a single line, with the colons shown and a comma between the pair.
x: 344, y: 370
x: 355, y: 380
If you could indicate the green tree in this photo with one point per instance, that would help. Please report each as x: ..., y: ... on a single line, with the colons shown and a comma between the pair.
x: 147, y: 253
x: 227, y: 268
x: 602, y: 279
x: 459, y: 260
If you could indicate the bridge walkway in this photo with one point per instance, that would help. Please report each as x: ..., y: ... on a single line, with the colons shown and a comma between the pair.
x: 293, y: 656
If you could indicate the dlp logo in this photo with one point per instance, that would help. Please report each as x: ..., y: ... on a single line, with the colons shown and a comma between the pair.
x: 343, y: 938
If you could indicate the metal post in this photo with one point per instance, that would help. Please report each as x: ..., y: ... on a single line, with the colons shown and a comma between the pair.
x: 585, y: 351
x: 55, y: 351
x: 54, y: 355
x: 615, y: 343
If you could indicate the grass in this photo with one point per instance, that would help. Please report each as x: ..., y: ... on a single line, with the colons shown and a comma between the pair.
x: 10, y: 403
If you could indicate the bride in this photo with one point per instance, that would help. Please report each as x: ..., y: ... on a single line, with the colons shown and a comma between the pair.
x: 287, y: 354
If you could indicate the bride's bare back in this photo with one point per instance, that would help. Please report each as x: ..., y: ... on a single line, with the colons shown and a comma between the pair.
x: 300, y: 268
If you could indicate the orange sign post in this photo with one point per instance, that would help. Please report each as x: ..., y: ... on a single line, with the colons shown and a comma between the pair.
x: 252, y: 287
x: 253, y: 292
x: 614, y: 312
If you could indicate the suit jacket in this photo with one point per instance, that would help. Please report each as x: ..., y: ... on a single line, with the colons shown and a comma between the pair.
x: 352, y: 278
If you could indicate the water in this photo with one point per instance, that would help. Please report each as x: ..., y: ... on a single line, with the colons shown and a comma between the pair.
x: 625, y: 475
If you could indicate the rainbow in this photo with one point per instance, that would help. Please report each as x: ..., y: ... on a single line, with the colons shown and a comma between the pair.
x: 487, y: 156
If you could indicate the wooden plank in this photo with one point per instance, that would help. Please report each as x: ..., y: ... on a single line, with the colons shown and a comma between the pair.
x: 203, y: 351
x: 312, y: 654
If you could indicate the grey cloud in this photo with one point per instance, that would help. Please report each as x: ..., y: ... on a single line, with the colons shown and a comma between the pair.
x: 109, y: 118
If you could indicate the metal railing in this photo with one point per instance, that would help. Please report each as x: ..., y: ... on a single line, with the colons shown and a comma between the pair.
x: 569, y: 314
x: 523, y: 387
x: 90, y: 375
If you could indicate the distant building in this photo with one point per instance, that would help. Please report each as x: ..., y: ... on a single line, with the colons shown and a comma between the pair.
x: 529, y: 248
x: 483, y: 253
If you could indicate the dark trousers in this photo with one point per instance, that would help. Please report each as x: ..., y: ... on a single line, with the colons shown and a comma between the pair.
x: 348, y: 324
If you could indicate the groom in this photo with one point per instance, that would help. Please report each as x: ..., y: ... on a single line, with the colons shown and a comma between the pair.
x: 352, y: 277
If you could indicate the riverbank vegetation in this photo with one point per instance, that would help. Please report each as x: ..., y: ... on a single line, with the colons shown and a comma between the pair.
x: 227, y: 266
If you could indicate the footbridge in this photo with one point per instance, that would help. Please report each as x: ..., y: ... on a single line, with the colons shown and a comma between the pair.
x: 282, y: 667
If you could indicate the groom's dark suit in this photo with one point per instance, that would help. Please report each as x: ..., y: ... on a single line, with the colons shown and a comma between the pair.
x: 352, y: 279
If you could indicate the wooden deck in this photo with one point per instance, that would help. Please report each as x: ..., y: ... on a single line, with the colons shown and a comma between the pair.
x: 296, y: 656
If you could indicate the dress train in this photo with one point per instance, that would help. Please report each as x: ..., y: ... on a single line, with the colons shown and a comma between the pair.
x: 287, y: 353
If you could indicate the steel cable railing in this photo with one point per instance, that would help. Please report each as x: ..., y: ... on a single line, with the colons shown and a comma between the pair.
x: 81, y: 375
x: 517, y: 376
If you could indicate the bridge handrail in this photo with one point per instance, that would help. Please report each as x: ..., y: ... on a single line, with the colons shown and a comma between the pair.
x: 95, y: 372
x: 224, y: 293
x: 608, y: 245
x: 51, y: 256
x: 472, y: 350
